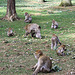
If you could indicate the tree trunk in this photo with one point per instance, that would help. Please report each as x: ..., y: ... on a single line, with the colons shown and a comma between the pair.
x: 65, y: 3
x: 11, y: 14
x: 41, y: 0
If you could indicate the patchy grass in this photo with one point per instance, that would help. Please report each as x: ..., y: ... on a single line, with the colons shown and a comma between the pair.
x: 16, y: 56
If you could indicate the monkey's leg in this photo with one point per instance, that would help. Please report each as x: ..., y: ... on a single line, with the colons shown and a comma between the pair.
x: 55, y: 27
x: 52, y: 45
x: 37, y: 70
x: 44, y: 69
x: 52, y: 26
x: 59, y: 41
x: 55, y: 46
x: 27, y: 21
x: 33, y: 33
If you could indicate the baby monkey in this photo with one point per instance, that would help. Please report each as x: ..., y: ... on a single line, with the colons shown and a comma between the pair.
x: 10, y: 32
x: 28, y: 18
x: 54, y: 41
x: 44, y: 63
x: 60, y: 50
x: 54, y: 24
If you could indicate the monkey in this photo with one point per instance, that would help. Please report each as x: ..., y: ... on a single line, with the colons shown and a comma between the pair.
x: 33, y: 29
x: 54, y: 41
x: 10, y: 32
x: 54, y: 24
x: 44, y: 63
x: 13, y: 17
x: 60, y: 50
x: 28, y: 18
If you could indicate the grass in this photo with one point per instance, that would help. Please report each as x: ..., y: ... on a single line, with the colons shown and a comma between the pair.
x: 16, y: 56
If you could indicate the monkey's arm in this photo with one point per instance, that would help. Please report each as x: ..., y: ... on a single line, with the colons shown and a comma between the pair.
x: 35, y: 66
x: 37, y: 70
x: 26, y: 18
x: 59, y: 41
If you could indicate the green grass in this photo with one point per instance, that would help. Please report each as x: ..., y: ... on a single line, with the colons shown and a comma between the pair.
x: 16, y: 56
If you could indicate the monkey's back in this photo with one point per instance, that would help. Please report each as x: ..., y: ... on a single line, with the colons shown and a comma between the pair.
x: 46, y: 61
x: 32, y: 26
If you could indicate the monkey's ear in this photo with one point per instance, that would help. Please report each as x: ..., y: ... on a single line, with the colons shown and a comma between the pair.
x: 39, y: 27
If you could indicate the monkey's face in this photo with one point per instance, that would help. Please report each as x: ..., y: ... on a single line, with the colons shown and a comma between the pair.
x: 26, y: 13
x: 37, y: 54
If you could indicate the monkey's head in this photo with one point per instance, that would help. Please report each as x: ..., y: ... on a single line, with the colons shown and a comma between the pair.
x: 53, y: 21
x: 38, y: 35
x: 54, y: 35
x: 26, y: 13
x: 64, y: 47
x: 9, y: 29
x: 38, y: 53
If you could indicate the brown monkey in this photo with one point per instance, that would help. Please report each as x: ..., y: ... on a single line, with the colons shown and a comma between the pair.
x: 28, y: 18
x: 54, y: 24
x: 60, y: 50
x: 44, y: 63
x: 13, y: 17
x: 54, y: 41
x: 33, y: 29
x: 10, y: 32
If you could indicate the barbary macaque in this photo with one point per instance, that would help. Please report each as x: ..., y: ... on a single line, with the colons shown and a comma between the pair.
x: 10, y: 32
x: 44, y: 63
x: 54, y: 24
x: 60, y: 50
x: 28, y: 18
x: 54, y: 41
x: 13, y: 17
x: 33, y: 29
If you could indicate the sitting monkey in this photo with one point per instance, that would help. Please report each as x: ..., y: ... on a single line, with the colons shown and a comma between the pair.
x: 28, y: 18
x: 44, y: 63
x: 10, y: 32
x: 54, y: 41
x: 33, y: 29
x: 54, y: 24
x: 60, y: 50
